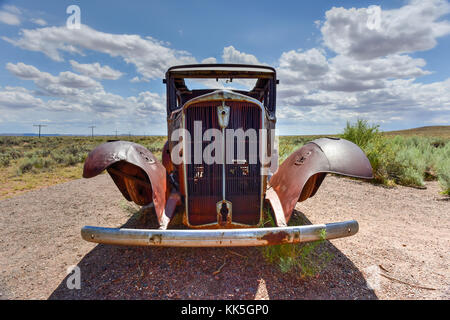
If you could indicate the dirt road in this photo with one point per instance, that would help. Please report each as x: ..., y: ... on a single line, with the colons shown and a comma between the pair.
x: 403, y: 244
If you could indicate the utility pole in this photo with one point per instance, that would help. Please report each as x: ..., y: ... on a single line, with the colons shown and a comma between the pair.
x: 40, y: 126
x: 116, y: 133
x: 92, y: 128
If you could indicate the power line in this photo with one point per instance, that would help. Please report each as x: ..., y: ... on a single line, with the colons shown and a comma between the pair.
x: 92, y: 128
x: 40, y: 126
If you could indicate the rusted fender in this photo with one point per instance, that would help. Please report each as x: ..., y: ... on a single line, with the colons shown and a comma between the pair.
x: 301, y: 174
x: 135, y: 170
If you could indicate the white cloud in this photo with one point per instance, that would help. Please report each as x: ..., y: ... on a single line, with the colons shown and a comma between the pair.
x: 137, y: 79
x: 371, y: 76
x: 95, y: 70
x: 392, y: 66
x: 39, y: 22
x: 231, y: 55
x: 9, y: 18
x: 149, y: 104
x: 211, y: 60
x: 150, y: 56
x: 298, y: 66
x: 413, y: 27
x: 25, y: 71
x: 65, y: 84
x: 18, y: 99
x: 70, y: 92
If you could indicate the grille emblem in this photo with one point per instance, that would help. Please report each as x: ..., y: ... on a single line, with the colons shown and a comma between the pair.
x: 223, y: 115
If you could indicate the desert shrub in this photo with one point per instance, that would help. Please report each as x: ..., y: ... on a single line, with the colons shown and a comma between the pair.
x: 4, y: 161
x: 409, y: 166
x: 42, y: 153
x: 153, y: 146
x: 57, y: 156
x: 11, y: 141
x: 442, y: 165
x: 8, y: 154
x: 361, y: 133
x: 70, y: 160
x: 12, y: 153
x: 288, y: 144
x: 34, y: 164
x: 377, y: 149
x: 305, y: 259
x: 403, y: 160
x: 67, y: 159
x: 26, y: 165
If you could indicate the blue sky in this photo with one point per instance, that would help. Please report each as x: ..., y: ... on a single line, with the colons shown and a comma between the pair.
x: 332, y: 65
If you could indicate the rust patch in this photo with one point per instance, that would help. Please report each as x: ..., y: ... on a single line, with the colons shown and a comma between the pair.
x: 276, y: 237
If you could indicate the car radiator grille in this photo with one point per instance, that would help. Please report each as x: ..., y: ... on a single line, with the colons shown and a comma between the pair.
x: 242, y: 179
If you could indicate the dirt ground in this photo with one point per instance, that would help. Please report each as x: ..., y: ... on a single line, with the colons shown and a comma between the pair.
x: 400, y: 252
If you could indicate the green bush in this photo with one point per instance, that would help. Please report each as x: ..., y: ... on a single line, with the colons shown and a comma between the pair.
x: 26, y: 165
x: 403, y: 160
x: 34, y: 164
x: 361, y: 133
x: 442, y: 160
x: 4, y: 161
x: 377, y: 149
x: 305, y: 259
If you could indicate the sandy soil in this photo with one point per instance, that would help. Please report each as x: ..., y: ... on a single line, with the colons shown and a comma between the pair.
x: 403, y: 244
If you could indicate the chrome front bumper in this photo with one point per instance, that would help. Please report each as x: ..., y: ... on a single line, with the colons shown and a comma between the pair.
x: 219, y: 237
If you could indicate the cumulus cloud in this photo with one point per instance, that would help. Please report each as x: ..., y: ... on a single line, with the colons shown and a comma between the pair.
x: 149, y: 104
x: 150, y: 56
x: 413, y: 27
x: 296, y: 66
x: 18, y: 98
x: 392, y: 66
x: 70, y: 92
x: 65, y: 84
x: 95, y: 70
x: 231, y: 55
x: 371, y: 75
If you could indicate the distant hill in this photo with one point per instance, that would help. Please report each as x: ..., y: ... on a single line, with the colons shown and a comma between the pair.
x: 430, y: 131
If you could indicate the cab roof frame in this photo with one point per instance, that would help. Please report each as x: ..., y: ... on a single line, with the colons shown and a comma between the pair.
x: 178, y: 93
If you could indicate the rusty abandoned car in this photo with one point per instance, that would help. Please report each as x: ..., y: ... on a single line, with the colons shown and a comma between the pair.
x: 220, y: 166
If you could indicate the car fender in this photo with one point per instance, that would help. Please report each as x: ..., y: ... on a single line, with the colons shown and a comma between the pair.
x: 301, y: 174
x: 137, y: 173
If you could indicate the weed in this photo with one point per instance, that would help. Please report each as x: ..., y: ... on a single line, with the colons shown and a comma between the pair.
x: 306, y: 259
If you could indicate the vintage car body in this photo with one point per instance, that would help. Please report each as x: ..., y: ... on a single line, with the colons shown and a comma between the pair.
x: 220, y: 165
